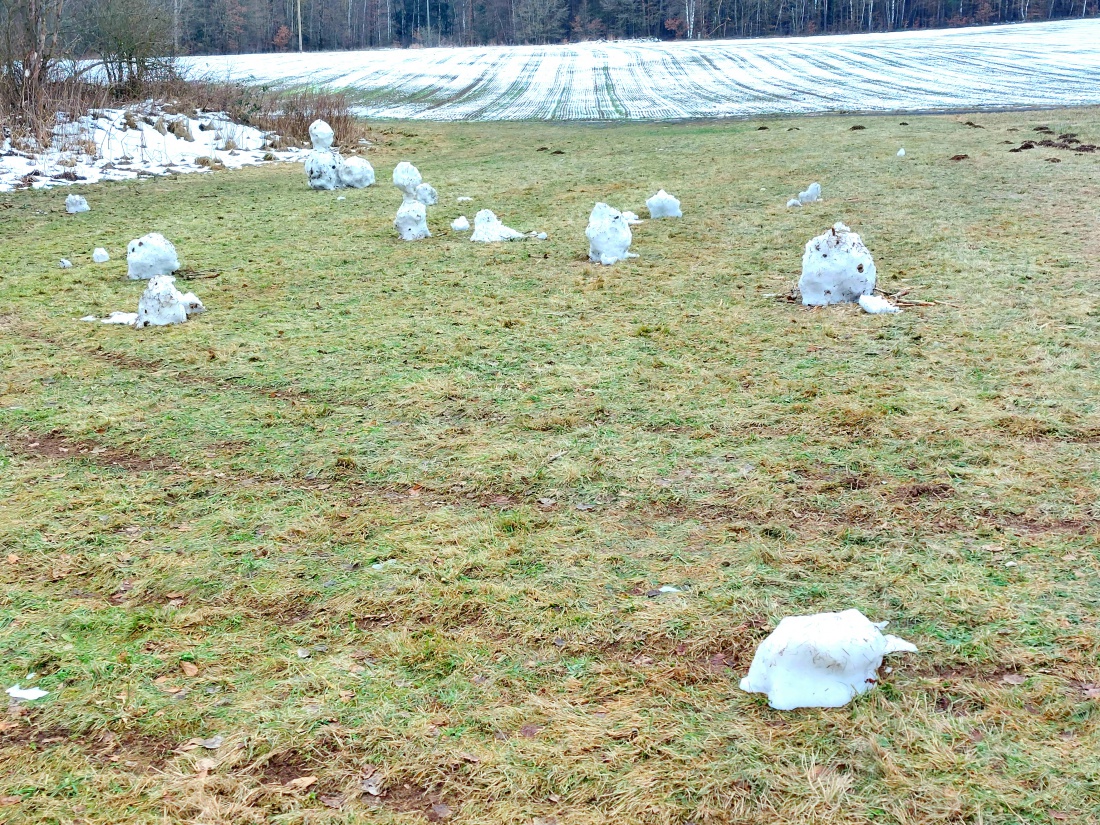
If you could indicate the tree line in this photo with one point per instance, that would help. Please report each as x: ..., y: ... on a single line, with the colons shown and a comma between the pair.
x: 215, y: 26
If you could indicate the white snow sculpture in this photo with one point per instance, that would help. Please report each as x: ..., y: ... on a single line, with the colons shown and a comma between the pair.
x: 406, y: 177
x: 836, y: 268
x: 162, y: 304
x: 811, y: 195
x: 75, y: 204
x: 356, y: 173
x: 875, y: 305
x: 151, y: 255
x: 411, y: 222
x: 820, y: 661
x: 460, y: 224
x: 321, y: 135
x: 901, y: 153
x: 100, y: 255
x: 489, y: 229
x: 66, y: 263
x: 663, y: 205
x: 323, y: 169
x: 608, y: 236
x: 631, y: 218
x: 426, y: 194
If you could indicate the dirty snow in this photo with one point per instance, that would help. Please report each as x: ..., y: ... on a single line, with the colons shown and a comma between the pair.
x: 151, y: 255
x: 411, y: 221
x: 608, y: 236
x: 820, y: 661
x: 1035, y: 64
x: 663, y: 205
x: 322, y: 168
x: 162, y: 304
x: 21, y: 694
x: 143, y: 141
x: 489, y: 229
x: 426, y: 194
x: 836, y: 268
x: 66, y: 263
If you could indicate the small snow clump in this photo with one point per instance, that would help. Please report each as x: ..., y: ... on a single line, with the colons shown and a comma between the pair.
x: 820, y: 661
x: 836, y: 268
x: 66, y: 263
x: 464, y: 199
x: 875, y: 305
x: 426, y: 194
x: 631, y: 218
x: 411, y: 222
x: 811, y: 195
x: 663, y: 205
x: 901, y: 153
x: 460, y: 224
x: 75, y: 204
x: 489, y: 229
x: 162, y: 304
x: 608, y: 235
x: 151, y: 255
x: 100, y: 255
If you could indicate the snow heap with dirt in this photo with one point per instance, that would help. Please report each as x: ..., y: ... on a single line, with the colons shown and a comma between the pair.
x: 489, y: 229
x: 74, y: 204
x: 811, y: 195
x: 820, y: 661
x: 426, y: 194
x: 162, y: 304
x: 143, y: 141
x: 663, y: 205
x: 323, y: 165
x: 151, y: 255
x: 608, y: 236
x: 411, y: 222
x: 836, y: 268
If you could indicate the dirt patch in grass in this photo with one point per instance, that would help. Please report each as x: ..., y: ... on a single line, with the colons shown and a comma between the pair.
x: 55, y: 446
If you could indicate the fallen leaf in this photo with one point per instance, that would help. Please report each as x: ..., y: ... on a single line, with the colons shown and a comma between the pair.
x: 204, y: 766
x: 529, y: 731
x: 10, y: 800
x: 1013, y: 679
x: 213, y: 743
x: 189, y: 668
x: 439, y: 812
x: 336, y: 802
x: 469, y: 757
x: 301, y: 783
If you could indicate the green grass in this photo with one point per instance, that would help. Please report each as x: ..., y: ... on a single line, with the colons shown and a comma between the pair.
x: 450, y: 473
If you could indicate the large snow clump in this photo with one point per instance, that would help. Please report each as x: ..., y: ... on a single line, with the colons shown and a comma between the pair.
x: 323, y: 168
x: 75, y: 204
x: 162, y: 304
x: 820, y: 661
x: 426, y: 194
x: 489, y: 229
x: 608, y: 235
x: 357, y: 173
x: 663, y: 205
x: 411, y: 222
x: 836, y: 268
x: 151, y: 255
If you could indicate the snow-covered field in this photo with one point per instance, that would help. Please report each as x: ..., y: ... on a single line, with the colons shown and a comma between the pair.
x: 120, y: 144
x: 1038, y: 64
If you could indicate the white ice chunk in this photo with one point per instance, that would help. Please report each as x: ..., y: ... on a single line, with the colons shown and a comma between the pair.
x: 631, y: 218
x: 89, y: 318
x: 341, y: 198
x: 75, y: 204
x: 151, y: 255
x: 542, y: 236
x: 811, y: 195
x: 489, y: 229
x: 877, y: 305
x: 820, y: 661
x: 406, y: 177
x: 793, y: 202
x: 901, y: 153
x: 663, y: 205
x: 426, y: 194
x: 162, y: 304
x: 608, y: 235
x: 116, y: 317
x: 66, y: 263
x: 356, y: 173
x: 321, y: 135
x: 100, y: 255
x: 323, y: 169
x: 411, y: 222
x: 464, y: 199
x: 26, y: 694
x: 460, y: 224
x: 836, y: 268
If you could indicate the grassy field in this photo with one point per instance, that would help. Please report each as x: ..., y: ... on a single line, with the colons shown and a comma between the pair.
x: 383, y: 527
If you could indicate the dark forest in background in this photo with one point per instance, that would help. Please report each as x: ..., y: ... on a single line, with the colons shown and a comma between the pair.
x: 272, y: 25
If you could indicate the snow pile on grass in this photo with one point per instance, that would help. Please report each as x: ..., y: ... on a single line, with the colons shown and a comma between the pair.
x: 151, y: 255
x: 147, y: 140
x: 74, y: 204
x: 162, y: 304
x: 875, y: 305
x: 663, y: 205
x: 820, y: 661
x: 836, y: 268
x: 811, y: 195
x: 460, y: 224
x: 411, y: 221
x: 426, y: 194
x: 608, y: 235
x: 323, y: 168
x: 489, y: 229
x: 357, y: 173
x: 100, y: 255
